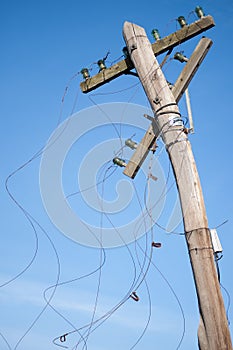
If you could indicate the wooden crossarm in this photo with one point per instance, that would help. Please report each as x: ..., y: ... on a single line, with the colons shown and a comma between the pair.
x: 158, y: 48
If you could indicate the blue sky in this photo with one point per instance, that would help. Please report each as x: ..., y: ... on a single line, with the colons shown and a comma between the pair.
x: 44, y: 46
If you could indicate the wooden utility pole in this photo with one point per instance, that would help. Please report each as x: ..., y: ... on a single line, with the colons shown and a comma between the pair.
x: 213, y: 333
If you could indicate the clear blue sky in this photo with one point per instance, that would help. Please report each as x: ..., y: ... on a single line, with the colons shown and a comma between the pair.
x: 43, y: 45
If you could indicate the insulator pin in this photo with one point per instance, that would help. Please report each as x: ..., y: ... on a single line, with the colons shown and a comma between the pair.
x: 120, y: 162
x: 125, y: 52
x: 199, y: 12
x: 155, y: 34
x: 180, y: 57
x: 131, y: 144
x: 85, y: 73
x: 101, y: 65
x: 182, y: 21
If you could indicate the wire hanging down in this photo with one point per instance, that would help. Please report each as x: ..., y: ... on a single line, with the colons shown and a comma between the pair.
x: 94, y: 303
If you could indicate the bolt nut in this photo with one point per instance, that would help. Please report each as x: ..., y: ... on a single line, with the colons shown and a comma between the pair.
x: 156, y: 100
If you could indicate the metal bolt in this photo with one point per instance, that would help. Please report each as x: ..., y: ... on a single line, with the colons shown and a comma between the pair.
x: 133, y: 47
x: 156, y: 100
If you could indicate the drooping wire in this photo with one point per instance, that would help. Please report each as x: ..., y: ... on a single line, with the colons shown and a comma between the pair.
x: 139, y: 282
x: 162, y: 195
x: 76, y: 330
x: 11, y: 175
x: 5, y: 341
x: 107, y: 116
x: 33, y: 222
x: 148, y: 317
x: 143, y: 280
x: 26, y: 164
x: 102, y: 183
x: 69, y: 282
x: 181, y: 309
x: 144, y: 274
x: 108, y: 315
x: 100, y: 320
x: 93, y: 186
x: 64, y: 95
x: 136, y: 286
x: 170, y: 287
x: 174, y: 294
x: 228, y: 302
x: 55, y: 286
x: 178, y: 302
x: 216, y: 259
x: 102, y: 251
